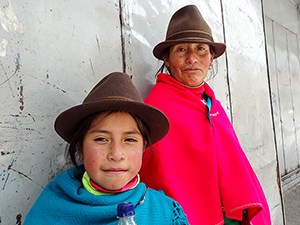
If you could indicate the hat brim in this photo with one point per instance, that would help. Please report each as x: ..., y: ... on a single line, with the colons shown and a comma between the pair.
x: 156, y: 122
x: 158, y: 50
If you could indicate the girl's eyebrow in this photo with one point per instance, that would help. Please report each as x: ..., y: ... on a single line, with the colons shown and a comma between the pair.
x: 99, y: 131
x: 134, y: 131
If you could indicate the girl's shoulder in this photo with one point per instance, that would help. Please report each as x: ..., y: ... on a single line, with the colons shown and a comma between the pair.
x: 167, y: 207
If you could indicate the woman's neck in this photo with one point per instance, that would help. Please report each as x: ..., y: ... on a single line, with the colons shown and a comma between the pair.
x: 196, y: 86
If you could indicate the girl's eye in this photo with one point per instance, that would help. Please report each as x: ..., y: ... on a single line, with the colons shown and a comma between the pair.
x: 101, y: 139
x: 130, y: 140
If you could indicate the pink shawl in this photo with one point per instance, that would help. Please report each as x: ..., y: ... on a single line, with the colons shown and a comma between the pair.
x: 201, y: 165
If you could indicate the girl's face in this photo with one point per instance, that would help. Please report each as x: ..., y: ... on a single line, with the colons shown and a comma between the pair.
x: 189, y: 62
x: 112, y: 150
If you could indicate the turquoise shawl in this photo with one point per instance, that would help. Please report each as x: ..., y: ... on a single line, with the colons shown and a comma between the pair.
x: 65, y: 201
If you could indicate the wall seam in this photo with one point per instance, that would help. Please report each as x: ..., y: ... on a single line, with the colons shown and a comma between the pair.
x: 121, y: 17
x: 226, y: 63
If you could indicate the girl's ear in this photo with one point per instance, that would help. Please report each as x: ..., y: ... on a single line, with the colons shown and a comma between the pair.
x: 79, y: 151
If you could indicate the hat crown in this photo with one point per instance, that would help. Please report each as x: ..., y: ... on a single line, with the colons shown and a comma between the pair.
x: 188, y: 26
x: 188, y: 22
x: 116, y: 85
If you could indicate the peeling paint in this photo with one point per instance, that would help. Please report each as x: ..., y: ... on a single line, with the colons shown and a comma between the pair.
x: 3, y: 45
x: 9, y: 20
x: 7, y: 153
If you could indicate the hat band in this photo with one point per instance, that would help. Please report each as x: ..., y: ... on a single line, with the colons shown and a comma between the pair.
x: 191, y: 35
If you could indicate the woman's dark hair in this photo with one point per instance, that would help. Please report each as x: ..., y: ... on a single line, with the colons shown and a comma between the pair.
x: 165, y: 53
x: 74, y: 150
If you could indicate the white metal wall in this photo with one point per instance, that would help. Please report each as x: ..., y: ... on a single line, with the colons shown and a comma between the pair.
x: 53, y: 52
x: 282, y: 26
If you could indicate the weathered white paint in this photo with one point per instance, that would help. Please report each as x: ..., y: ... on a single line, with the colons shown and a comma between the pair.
x: 3, y: 45
x: 68, y: 46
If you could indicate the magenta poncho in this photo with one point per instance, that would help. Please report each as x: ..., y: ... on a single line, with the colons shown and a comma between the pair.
x: 201, y: 164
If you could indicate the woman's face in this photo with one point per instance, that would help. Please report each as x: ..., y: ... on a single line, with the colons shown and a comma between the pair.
x: 189, y: 62
x: 112, y: 150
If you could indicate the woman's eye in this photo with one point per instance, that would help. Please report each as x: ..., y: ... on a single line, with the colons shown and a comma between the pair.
x: 201, y: 49
x: 181, y: 49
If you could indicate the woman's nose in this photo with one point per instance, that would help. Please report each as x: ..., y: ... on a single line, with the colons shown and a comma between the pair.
x: 191, y: 57
x: 116, y: 152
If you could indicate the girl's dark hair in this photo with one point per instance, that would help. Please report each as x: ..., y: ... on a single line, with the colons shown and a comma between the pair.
x: 74, y: 150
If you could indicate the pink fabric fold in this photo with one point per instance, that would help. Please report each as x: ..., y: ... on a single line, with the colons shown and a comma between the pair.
x: 200, y: 165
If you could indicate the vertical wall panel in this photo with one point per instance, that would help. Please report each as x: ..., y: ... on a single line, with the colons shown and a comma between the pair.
x: 283, y: 17
x: 51, y: 54
x: 249, y: 91
x: 274, y: 94
x: 285, y: 21
x: 285, y: 96
x: 294, y: 74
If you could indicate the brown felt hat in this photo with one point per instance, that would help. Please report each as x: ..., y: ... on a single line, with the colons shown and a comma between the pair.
x: 115, y: 92
x: 188, y: 26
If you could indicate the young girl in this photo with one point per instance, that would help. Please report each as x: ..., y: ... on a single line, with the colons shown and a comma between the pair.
x: 108, y: 132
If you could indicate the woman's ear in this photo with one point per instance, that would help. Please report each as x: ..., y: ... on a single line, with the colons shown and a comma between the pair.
x: 212, y: 57
x: 166, y: 62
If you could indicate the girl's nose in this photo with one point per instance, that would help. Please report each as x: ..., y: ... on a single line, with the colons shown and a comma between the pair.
x: 116, y: 152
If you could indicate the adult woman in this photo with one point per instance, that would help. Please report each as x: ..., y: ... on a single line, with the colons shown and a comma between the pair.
x: 108, y: 132
x: 200, y: 162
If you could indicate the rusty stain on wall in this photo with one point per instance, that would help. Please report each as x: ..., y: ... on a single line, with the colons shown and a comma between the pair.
x: 21, y: 98
x: 17, y: 62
